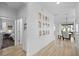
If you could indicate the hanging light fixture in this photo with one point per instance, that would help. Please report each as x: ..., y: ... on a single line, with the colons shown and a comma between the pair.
x: 66, y: 22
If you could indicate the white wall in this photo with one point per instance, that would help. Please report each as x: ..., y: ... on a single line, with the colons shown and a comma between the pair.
x: 77, y: 22
x: 22, y: 14
x: 34, y: 43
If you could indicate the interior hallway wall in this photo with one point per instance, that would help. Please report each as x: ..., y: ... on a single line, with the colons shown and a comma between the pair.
x: 77, y: 22
x: 34, y: 42
x: 31, y: 41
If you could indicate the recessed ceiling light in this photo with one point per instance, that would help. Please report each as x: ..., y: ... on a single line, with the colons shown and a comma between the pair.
x: 58, y: 3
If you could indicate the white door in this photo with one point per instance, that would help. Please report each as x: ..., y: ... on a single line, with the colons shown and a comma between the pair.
x: 1, y: 33
x: 19, y: 31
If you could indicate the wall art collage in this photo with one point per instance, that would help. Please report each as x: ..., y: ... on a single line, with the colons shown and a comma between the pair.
x: 43, y: 24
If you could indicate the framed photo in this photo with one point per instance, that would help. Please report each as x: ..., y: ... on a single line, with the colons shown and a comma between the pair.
x: 46, y: 18
x: 44, y: 32
x: 25, y: 26
x: 48, y: 25
x: 44, y: 24
x: 39, y: 24
x: 39, y: 15
x: 40, y: 33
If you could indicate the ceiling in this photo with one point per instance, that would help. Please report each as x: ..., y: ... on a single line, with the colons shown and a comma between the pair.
x: 60, y: 11
x: 63, y: 7
x: 12, y: 5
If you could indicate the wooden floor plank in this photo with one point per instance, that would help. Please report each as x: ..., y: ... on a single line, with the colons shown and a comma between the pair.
x: 13, y: 51
x: 59, y: 48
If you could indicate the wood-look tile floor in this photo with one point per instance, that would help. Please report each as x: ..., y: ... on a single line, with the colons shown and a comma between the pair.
x: 12, y: 51
x: 59, y: 48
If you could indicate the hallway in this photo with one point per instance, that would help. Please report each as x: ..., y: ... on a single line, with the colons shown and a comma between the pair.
x: 36, y: 26
x: 59, y: 48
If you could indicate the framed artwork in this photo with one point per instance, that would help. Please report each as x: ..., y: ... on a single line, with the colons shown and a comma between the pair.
x: 45, y: 18
x: 25, y: 26
x: 47, y: 25
x: 39, y: 15
x: 10, y: 27
x: 40, y: 33
x: 43, y: 32
x: 43, y: 24
x: 39, y: 23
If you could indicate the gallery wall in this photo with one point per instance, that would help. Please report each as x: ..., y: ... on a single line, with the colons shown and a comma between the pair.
x: 37, y: 38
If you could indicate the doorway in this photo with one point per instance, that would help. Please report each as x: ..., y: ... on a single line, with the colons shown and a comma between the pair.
x: 7, y: 32
x: 67, y: 31
x: 19, y: 31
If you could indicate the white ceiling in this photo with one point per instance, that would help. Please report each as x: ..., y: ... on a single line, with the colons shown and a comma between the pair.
x: 52, y: 7
x: 60, y: 11
x: 12, y: 5
x: 63, y: 7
